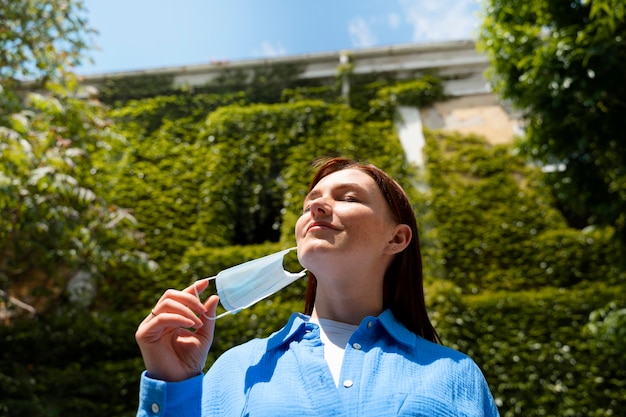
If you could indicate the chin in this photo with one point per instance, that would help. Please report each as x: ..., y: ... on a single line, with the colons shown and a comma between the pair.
x: 316, y: 244
x: 310, y: 251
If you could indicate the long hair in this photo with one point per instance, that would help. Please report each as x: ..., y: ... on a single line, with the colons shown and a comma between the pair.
x: 403, y: 288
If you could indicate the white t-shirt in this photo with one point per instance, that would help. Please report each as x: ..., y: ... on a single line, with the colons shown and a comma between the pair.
x: 335, y: 336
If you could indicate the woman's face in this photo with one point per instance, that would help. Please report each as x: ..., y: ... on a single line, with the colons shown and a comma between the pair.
x: 345, y: 219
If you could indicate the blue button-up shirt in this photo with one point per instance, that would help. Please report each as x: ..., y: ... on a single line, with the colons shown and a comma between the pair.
x: 387, y: 371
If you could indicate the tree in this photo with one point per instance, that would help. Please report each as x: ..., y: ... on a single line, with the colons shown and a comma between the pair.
x: 563, y: 65
x: 68, y: 257
x: 39, y: 39
x: 55, y: 226
x: 55, y: 150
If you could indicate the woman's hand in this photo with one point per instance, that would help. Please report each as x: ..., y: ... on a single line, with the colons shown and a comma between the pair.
x: 176, y: 336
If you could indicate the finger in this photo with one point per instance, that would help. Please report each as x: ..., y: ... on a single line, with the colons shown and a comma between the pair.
x: 162, y: 321
x: 153, y: 327
x: 181, y: 297
x: 175, y: 306
x: 197, y: 287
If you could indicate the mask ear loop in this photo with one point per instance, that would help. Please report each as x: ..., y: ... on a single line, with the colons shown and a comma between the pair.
x: 219, y: 316
x: 195, y: 289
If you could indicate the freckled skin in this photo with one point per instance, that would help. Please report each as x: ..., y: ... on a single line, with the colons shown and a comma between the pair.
x: 344, y: 237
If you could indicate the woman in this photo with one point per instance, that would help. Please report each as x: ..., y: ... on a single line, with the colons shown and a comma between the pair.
x: 365, y: 345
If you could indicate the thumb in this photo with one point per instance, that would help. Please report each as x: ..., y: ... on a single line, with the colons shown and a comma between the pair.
x: 211, y: 306
x: 208, y: 323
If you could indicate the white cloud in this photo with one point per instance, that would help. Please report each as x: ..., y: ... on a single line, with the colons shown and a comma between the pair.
x: 441, y: 19
x: 394, y: 20
x: 269, y: 50
x: 360, y: 33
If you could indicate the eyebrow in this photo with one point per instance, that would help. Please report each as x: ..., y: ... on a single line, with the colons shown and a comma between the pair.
x: 341, y: 187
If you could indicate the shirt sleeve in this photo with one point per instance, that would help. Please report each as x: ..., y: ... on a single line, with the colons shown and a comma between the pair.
x: 169, y: 399
x: 482, y: 393
x: 489, y: 405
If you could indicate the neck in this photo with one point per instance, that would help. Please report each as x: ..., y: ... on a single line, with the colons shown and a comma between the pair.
x: 348, y: 305
x: 349, y: 291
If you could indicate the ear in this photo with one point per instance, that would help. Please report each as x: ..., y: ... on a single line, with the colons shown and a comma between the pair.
x: 400, y: 239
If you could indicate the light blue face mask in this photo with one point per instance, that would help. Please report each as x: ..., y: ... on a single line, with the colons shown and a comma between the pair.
x: 243, y: 285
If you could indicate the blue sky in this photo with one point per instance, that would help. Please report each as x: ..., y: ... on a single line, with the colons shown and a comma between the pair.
x: 145, y: 34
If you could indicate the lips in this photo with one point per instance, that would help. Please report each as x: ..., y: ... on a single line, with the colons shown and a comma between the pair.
x: 320, y: 225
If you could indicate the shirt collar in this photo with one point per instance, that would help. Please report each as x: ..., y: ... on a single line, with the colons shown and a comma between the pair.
x: 397, y: 330
x: 298, y: 325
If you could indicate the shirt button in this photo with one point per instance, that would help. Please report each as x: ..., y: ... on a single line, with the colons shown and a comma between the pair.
x: 348, y: 383
x: 370, y: 324
x: 155, y: 408
x: 357, y: 346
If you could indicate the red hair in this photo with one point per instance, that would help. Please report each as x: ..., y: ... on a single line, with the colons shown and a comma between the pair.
x: 403, y: 288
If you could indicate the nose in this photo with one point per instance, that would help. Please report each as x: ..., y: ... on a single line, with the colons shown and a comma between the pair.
x: 320, y: 207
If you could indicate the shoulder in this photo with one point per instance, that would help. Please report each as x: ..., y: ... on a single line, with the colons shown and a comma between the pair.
x: 440, y: 359
x: 448, y: 359
x: 446, y: 370
x: 434, y: 351
x: 227, y: 376
x: 240, y: 357
x: 253, y: 350
x: 415, y: 346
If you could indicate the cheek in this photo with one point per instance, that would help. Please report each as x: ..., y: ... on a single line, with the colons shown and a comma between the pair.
x: 299, y: 226
x: 371, y: 229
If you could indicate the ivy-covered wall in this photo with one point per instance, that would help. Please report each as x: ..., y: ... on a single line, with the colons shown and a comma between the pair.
x: 518, y: 290
x: 508, y: 281
x: 215, y: 170
x: 216, y: 176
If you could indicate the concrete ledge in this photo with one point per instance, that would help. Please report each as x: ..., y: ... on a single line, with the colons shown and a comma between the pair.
x: 456, y: 60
